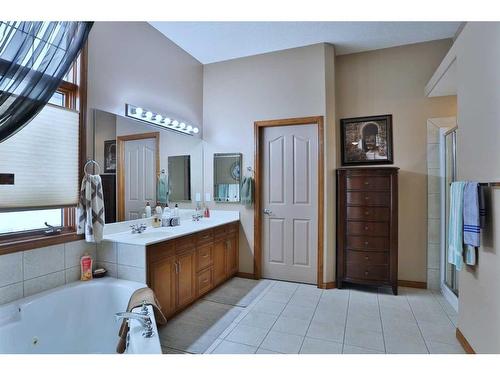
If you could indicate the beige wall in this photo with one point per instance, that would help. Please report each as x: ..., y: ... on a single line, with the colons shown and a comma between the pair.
x: 392, y: 81
x: 284, y: 84
x: 478, y: 80
x: 132, y: 62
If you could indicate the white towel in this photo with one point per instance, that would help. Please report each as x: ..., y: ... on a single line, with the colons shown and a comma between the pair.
x: 90, y: 210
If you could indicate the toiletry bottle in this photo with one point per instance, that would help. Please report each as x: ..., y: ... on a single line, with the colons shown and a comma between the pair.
x: 207, y: 212
x: 86, y: 268
x: 148, y: 209
x: 176, y: 210
x: 158, y: 209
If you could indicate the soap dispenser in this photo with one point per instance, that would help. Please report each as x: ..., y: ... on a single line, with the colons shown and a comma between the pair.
x: 148, y: 209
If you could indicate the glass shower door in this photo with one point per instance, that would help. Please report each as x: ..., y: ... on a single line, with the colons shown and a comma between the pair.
x: 450, y: 172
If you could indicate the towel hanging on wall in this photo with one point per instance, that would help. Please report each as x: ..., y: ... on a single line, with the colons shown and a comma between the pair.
x: 247, y: 191
x: 90, y: 210
x: 163, y: 188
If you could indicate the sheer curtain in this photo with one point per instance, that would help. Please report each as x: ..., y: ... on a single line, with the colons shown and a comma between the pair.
x: 34, y: 58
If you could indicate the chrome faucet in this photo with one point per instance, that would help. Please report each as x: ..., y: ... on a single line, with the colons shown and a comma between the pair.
x: 138, y: 228
x: 142, y: 317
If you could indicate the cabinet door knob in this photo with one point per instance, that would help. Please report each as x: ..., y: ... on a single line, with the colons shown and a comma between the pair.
x: 367, y: 212
x: 367, y: 183
x: 366, y: 243
x: 366, y: 273
x: 366, y: 227
x: 367, y: 258
x: 366, y: 198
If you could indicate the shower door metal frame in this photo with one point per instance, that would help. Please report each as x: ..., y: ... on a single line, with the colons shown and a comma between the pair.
x: 447, y: 292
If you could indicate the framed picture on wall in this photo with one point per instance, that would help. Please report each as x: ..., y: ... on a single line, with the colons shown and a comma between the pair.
x: 366, y: 140
x: 110, y: 156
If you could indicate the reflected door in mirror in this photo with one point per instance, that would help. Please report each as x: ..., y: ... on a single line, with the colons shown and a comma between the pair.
x: 140, y: 176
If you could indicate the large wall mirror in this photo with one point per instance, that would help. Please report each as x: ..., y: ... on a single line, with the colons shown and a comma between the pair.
x: 134, y: 155
x: 227, y: 177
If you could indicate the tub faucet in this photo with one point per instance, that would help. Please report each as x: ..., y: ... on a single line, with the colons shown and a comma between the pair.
x: 143, y: 318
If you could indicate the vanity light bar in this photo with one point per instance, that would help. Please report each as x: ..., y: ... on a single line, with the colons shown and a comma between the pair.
x: 158, y: 119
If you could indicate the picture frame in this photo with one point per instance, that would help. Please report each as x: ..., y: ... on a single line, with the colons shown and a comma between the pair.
x: 366, y: 140
x: 110, y: 156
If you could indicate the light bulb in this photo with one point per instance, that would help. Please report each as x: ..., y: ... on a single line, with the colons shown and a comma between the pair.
x: 182, y: 125
x: 158, y: 118
x: 138, y: 111
x: 189, y: 128
x: 167, y: 121
x: 196, y: 130
x: 149, y: 114
x: 175, y: 123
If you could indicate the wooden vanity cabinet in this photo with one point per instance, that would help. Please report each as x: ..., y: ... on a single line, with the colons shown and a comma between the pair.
x: 183, y: 269
x: 163, y: 275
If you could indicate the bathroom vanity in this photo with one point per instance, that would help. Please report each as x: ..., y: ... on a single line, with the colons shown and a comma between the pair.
x: 184, y: 269
x: 181, y: 263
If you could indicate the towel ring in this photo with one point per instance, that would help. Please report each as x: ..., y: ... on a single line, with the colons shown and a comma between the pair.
x: 91, y: 162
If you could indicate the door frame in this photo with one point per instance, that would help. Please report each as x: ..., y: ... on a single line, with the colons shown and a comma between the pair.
x: 120, y: 175
x: 258, y: 128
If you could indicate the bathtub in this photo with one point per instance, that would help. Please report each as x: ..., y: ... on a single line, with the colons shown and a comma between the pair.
x: 74, y: 318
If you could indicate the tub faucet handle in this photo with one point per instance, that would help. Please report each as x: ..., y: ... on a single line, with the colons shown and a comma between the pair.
x: 144, y: 308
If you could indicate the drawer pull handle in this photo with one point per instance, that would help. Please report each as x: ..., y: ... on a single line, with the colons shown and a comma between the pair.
x: 205, y: 256
x: 366, y: 243
x: 204, y: 281
x: 366, y: 228
x: 367, y: 183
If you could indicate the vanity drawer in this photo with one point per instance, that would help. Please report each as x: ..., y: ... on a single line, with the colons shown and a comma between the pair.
x: 368, y: 213
x: 368, y: 243
x: 367, y: 258
x: 204, y: 237
x: 160, y: 250
x: 204, y: 281
x: 358, y: 198
x: 223, y: 230
x: 361, y: 271
x: 204, y: 257
x: 366, y: 228
x: 368, y: 183
x: 186, y: 242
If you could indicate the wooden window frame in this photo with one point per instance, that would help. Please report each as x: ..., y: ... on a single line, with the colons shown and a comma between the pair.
x: 75, y: 97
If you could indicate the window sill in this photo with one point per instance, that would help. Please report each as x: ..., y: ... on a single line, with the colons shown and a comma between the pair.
x: 14, y: 245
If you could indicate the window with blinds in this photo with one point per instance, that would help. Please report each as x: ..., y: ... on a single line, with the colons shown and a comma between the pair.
x: 43, y: 157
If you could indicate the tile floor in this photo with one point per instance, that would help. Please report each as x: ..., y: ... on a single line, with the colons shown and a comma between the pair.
x: 297, y: 318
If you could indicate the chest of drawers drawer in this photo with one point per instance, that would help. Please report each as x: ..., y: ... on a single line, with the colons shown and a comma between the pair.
x: 360, y: 271
x: 365, y: 198
x: 368, y: 183
x: 366, y: 228
x: 367, y: 243
x: 368, y: 213
x: 367, y: 258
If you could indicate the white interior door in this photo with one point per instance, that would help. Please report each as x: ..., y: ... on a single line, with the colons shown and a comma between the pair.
x: 290, y: 203
x: 140, y: 176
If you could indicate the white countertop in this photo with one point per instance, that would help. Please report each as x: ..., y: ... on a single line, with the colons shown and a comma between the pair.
x: 155, y: 235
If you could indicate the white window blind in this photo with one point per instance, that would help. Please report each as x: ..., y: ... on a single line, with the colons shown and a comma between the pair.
x: 43, y: 156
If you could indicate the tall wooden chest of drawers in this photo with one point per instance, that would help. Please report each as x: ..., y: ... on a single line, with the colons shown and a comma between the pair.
x: 367, y: 226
